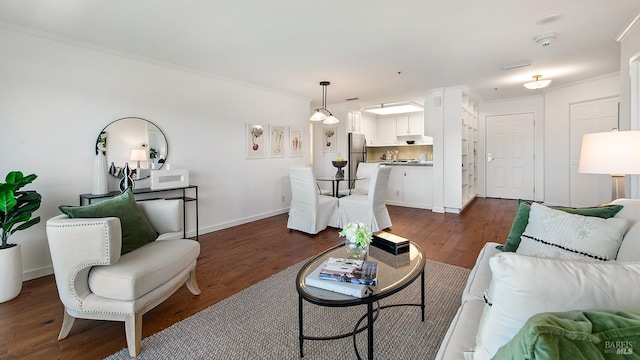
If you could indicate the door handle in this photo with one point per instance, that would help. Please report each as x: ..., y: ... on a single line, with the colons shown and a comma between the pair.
x: 490, y: 158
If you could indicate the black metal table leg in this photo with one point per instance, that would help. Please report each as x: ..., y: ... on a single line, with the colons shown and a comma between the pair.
x: 300, y: 336
x: 422, y: 293
x: 370, y: 330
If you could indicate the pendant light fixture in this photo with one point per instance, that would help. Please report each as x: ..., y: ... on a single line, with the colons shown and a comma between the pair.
x: 537, y: 84
x: 321, y: 113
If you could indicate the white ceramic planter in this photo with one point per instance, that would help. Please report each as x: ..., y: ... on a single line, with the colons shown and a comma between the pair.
x: 10, y: 273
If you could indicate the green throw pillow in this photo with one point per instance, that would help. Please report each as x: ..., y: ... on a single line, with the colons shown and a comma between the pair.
x: 136, y: 230
x: 522, y: 219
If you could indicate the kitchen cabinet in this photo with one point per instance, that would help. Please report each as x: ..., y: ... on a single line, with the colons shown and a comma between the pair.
x: 410, y: 124
x: 386, y: 131
x: 354, y: 123
x: 410, y: 186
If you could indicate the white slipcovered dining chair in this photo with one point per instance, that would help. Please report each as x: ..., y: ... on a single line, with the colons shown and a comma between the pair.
x: 369, y: 209
x: 364, y: 172
x: 309, y: 211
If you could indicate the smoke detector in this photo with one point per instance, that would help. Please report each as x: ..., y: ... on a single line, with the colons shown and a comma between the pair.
x: 545, y: 39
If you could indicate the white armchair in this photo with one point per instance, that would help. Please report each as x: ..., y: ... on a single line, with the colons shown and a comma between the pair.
x: 95, y: 282
x: 309, y: 212
x: 369, y: 209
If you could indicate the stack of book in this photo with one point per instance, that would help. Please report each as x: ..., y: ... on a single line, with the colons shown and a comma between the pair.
x: 345, y: 276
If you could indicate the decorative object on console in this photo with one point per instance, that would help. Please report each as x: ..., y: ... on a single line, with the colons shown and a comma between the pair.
x: 615, y: 152
x: 339, y: 163
x: 166, y: 179
x: 138, y: 155
x: 358, y: 237
x: 127, y: 179
x: 321, y: 113
x: 16, y: 209
x: 131, y: 133
x: 100, y: 181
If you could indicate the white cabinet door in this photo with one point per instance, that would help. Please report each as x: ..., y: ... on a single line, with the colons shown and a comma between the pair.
x: 416, y: 124
x: 354, y: 122
x: 402, y: 125
x: 369, y: 128
x: 394, y: 187
x: 417, y: 185
x: 386, y: 131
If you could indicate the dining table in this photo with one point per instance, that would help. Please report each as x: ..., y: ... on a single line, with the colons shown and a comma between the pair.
x: 335, y: 182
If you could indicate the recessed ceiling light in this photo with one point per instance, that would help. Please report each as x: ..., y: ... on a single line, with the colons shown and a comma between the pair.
x: 549, y: 19
x: 394, y: 108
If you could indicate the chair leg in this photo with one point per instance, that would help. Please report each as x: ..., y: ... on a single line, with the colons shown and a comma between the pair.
x: 67, y: 323
x: 192, y: 283
x: 133, y: 331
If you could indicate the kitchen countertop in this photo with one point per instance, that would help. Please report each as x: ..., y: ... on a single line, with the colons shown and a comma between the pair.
x: 404, y: 163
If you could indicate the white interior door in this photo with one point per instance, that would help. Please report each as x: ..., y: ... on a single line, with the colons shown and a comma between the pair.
x: 586, y: 118
x: 510, y: 157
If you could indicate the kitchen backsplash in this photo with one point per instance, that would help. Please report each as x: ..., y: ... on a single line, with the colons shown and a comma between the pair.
x: 404, y: 152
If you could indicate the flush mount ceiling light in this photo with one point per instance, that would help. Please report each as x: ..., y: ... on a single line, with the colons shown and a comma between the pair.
x: 537, y: 84
x: 321, y: 113
x: 394, y: 108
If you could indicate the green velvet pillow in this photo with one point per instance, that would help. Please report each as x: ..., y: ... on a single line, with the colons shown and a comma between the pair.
x: 136, y: 230
x: 522, y: 219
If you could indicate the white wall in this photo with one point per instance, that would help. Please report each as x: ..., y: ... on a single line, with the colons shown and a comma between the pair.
x: 534, y: 104
x: 56, y: 97
x: 630, y: 88
x: 557, y: 169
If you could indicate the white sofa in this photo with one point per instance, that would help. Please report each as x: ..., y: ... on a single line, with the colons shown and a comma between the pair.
x: 96, y: 282
x: 460, y: 339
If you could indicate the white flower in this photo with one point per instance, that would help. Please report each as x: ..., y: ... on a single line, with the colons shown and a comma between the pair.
x: 358, y: 233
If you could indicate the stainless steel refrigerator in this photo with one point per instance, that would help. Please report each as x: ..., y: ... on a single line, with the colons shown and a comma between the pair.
x: 357, y: 154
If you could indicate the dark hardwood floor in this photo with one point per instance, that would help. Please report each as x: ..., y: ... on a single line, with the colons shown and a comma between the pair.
x: 231, y: 260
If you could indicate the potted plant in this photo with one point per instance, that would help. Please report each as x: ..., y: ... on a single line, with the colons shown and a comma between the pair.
x: 16, y: 208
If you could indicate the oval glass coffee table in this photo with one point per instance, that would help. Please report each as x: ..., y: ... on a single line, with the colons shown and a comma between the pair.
x: 395, y: 272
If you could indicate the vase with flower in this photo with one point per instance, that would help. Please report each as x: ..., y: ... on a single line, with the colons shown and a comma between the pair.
x: 357, y: 239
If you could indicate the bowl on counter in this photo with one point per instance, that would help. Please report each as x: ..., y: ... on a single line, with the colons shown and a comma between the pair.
x: 411, y: 142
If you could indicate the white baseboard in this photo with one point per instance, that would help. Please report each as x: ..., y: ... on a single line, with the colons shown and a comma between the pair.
x: 37, y: 273
x: 212, y: 228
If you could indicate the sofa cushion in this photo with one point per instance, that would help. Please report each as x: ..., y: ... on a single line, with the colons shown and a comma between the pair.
x: 480, y: 276
x: 522, y: 286
x: 555, y: 233
x: 136, y: 230
x: 630, y: 247
x: 522, y: 218
x: 143, y: 270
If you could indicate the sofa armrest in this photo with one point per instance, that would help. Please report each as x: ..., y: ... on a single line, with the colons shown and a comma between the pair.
x: 76, y: 245
x: 165, y: 216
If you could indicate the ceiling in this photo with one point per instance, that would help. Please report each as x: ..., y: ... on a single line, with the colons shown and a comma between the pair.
x: 377, y: 51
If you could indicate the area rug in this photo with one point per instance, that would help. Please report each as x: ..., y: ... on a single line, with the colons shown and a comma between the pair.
x: 261, y: 322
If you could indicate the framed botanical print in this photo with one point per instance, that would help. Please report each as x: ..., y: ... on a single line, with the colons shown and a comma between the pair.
x: 330, y: 135
x: 295, y: 141
x: 277, y: 140
x: 255, y: 141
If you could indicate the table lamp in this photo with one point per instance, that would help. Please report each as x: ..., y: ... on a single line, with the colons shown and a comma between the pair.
x: 616, y: 153
x: 138, y: 155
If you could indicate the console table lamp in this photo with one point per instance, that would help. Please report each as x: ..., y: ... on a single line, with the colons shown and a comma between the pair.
x: 615, y: 152
x: 138, y: 155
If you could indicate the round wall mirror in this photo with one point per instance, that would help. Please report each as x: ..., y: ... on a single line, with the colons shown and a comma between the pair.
x: 135, y: 141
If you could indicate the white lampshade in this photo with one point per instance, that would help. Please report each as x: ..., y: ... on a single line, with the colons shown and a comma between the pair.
x: 331, y: 120
x: 614, y: 152
x: 138, y: 155
x: 318, y: 115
